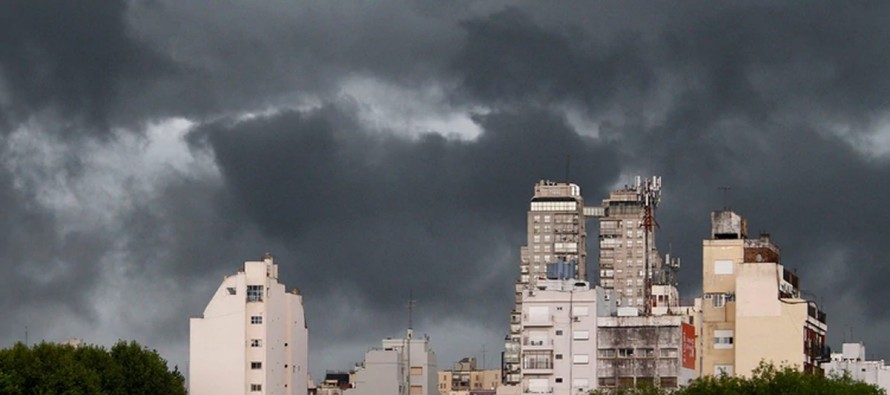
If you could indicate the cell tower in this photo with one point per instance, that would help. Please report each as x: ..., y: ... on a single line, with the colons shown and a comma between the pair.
x: 649, y: 194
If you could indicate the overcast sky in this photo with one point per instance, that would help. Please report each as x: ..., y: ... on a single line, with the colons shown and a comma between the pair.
x: 148, y: 148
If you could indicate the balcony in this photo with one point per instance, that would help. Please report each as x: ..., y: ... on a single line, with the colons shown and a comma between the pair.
x: 537, y: 320
x: 539, y: 344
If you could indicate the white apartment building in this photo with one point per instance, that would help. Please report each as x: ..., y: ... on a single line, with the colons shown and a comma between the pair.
x: 558, y: 332
x: 252, y: 338
x: 385, y: 371
x: 852, y: 361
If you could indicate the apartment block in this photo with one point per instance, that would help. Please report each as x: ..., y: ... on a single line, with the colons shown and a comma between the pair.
x: 752, y: 308
x: 627, y: 245
x: 558, y: 337
x: 556, y: 232
x: 252, y: 338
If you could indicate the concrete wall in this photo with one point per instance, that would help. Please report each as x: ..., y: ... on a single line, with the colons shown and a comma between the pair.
x: 767, y: 328
x: 569, y: 315
x: 221, y: 353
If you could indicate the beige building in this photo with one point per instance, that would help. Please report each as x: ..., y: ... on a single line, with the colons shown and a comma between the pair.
x: 252, y: 338
x: 465, y: 378
x: 751, y: 309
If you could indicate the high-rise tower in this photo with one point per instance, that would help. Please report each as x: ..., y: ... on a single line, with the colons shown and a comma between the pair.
x: 629, y: 261
x: 556, y: 233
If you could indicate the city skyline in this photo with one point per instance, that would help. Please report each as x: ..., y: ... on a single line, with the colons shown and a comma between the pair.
x: 381, y: 149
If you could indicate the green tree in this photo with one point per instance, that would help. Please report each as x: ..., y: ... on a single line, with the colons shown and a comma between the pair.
x: 765, y: 380
x: 126, y: 369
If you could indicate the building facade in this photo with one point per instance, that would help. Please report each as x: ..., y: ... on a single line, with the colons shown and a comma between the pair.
x: 556, y: 232
x: 751, y: 308
x: 252, y: 338
x: 656, y: 350
x: 626, y: 244
x: 465, y: 378
x: 400, y: 367
x: 558, y: 337
x: 852, y: 362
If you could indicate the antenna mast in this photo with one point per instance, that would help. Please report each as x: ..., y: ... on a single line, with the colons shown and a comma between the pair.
x: 649, y: 193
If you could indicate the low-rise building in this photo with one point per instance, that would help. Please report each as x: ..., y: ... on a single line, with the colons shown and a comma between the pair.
x: 400, y: 367
x: 852, y: 362
x: 656, y: 350
x: 465, y: 378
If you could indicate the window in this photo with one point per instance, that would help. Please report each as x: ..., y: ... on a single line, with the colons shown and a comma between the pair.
x: 625, y: 352
x: 416, y: 370
x: 254, y: 293
x: 256, y: 319
x: 231, y: 290
x: 256, y: 387
x: 580, y: 383
x: 256, y: 365
x: 256, y: 342
x: 581, y: 359
x: 558, y: 332
x: 723, y: 267
x: 416, y: 389
x: 558, y: 356
x: 559, y: 379
x: 581, y: 335
x: 723, y: 338
x: 718, y: 300
x: 606, y: 353
x: 580, y: 311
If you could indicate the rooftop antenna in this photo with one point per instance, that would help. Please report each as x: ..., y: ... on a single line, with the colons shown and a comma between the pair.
x: 411, y: 304
x: 649, y: 194
x: 410, y: 334
x: 725, y: 190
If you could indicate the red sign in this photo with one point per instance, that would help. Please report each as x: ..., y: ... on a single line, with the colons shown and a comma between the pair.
x: 688, y: 346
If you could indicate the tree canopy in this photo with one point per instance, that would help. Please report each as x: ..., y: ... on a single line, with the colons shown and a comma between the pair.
x: 765, y: 380
x: 49, y: 368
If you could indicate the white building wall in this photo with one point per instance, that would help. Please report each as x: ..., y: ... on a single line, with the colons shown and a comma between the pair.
x: 382, y: 373
x: 852, y: 361
x: 559, y: 325
x: 231, y: 352
x: 386, y: 372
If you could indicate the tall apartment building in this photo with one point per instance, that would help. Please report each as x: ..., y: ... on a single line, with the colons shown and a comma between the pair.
x: 401, y: 367
x: 559, y: 337
x: 252, y: 338
x: 625, y: 243
x: 556, y: 233
x: 751, y: 308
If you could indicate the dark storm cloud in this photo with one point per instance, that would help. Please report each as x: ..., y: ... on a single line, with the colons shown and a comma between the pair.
x: 772, y: 99
x: 384, y: 214
x: 509, y: 57
x: 75, y: 58
x: 43, y: 268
